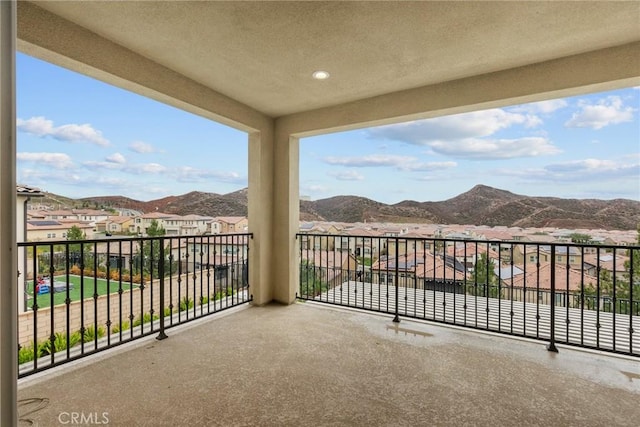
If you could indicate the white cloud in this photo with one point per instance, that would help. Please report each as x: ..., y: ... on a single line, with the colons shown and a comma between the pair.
x: 147, y: 168
x: 428, y: 166
x: 117, y: 162
x: 477, y: 124
x: 607, y: 111
x: 373, y: 160
x: 142, y: 147
x: 585, y: 170
x: 467, y: 136
x: 54, y: 160
x: 586, y: 164
x: 347, y: 175
x: 95, y: 165
x: 532, y: 121
x: 594, y: 168
x: 43, y: 127
x: 45, y: 177
x: 116, y: 158
x: 486, y: 149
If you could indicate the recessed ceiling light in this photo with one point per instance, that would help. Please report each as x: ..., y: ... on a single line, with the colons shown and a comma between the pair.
x: 320, y: 75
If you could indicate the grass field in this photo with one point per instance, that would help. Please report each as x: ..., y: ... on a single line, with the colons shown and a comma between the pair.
x: 44, y: 300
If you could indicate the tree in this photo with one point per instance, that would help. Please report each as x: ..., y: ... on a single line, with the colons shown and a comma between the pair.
x: 75, y: 233
x: 485, y: 278
x: 75, y: 250
x: 155, y: 229
x: 148, y: 257
x: 311, y: 280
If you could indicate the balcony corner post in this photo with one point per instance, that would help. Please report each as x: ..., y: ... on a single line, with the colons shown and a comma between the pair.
x: 8, y: 221
x: 161, y: 261
x: 552, y: 320
x: 396, y: 318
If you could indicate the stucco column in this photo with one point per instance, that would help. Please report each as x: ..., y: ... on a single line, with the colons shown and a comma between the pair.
x: 286, y: 215
x: 8, y: 250
x: 260, y: 199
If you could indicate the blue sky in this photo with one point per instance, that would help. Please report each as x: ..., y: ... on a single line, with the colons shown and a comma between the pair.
x: 79, y: 137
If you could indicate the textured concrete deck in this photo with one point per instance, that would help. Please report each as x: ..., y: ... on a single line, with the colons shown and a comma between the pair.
x: 310, y: 365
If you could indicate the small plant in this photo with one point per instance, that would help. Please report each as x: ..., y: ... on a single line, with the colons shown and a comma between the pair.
x: 167, y: 311
x: 186, y: 303
x: 146, y: 318
x: 204, y: 300
x: 90, y: 333
x: 44, y: 348
x: 26, y: 354
x: 224, y: 293
x: 121, y: 327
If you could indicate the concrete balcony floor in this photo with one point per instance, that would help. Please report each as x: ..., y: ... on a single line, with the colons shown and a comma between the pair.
x: 313, y: 365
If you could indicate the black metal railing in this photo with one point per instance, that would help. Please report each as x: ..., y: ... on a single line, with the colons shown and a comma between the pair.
x: 574, y: 294
x: 81, y: 297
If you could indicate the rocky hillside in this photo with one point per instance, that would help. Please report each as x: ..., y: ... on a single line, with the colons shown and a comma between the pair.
x: 482, y: 205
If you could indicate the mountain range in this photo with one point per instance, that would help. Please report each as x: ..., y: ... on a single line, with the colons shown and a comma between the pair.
x: 482, y: 205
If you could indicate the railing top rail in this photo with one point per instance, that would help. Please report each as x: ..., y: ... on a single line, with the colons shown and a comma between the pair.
x: 203, y: 237
x: 476, y: 241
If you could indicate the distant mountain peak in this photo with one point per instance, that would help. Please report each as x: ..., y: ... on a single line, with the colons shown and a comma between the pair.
x: 481, y: 205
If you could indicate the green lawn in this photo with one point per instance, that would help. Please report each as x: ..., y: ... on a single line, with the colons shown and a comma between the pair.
x: 44, y: 300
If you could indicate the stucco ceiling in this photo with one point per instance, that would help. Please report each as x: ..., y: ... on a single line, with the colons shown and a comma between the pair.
x: 262, y: 54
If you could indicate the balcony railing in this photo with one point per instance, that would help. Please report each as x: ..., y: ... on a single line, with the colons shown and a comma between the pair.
x: 574, y: 294
x: 81, y: 297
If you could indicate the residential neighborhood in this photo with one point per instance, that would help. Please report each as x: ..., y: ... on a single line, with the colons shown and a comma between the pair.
x: 507, y: 262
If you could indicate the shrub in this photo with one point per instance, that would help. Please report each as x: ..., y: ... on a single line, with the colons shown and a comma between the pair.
x: 225, y: 293
x: 44, y: 348
x: 90, y: 333
x: 26, y: 354
x: 75, y: 270
x: 186, y: 303
x: 121, y: 327
x: 59, y: 343
x: 146, y: 318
